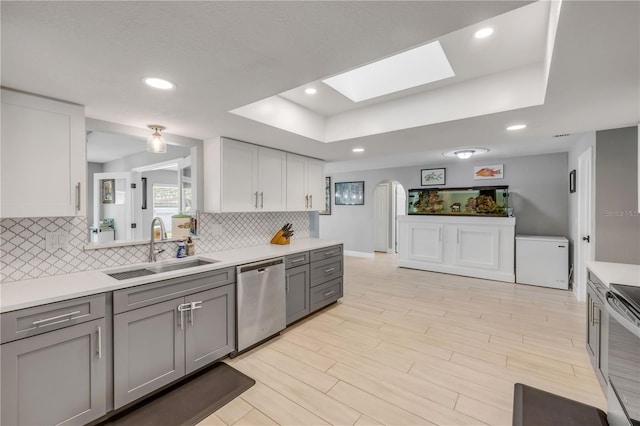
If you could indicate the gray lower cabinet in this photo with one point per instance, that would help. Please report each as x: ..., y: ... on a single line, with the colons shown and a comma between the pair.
x: 297, y: 287
x: 58, y: 377
x: 597, y: 328
x: 158, y: 344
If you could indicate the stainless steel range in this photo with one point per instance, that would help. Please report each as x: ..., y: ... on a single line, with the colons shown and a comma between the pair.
x: 623, y: 393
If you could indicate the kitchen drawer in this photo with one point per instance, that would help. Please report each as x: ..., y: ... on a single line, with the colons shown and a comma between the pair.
x: 325, y: 294
x: 297, y: 259
x: 326, y: 270
x: 148, y: 294
x: 53, y: 316
x: 326, y: 253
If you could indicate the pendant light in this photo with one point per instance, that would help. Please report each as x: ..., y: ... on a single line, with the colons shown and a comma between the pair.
x: 155, y: 142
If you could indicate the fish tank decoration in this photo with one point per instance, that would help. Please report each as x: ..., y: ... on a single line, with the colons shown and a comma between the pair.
x: 474, y: 201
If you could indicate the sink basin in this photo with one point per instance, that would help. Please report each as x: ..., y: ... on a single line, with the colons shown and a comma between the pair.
x: 159, y: 268
x: 179, y: 265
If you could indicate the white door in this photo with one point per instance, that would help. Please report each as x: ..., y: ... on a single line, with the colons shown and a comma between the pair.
x: 477, y: 247
x: 584, y: 243
x: 272, y: 180
x: 315, y: 184
x: 239, y: 177
x: 381, y: 218
x: 296, y: 183
x: 424, y: 242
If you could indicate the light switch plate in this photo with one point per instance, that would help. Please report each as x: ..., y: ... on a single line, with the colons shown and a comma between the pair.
x: 56, y: 240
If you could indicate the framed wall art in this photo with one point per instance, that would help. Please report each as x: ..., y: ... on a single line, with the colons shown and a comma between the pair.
x: 432, y: 177
x: 349, y: 193
x: 327, y: 196
x: 494, y: 171
x: 107, y: 190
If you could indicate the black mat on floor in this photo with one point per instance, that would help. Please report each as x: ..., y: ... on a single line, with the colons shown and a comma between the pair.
x: 189, y: 402
x: 535, y: 407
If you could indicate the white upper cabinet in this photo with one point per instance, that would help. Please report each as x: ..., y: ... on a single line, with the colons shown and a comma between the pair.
x: 242, y: 177
x: 305, y: 184
x: 43, y: 157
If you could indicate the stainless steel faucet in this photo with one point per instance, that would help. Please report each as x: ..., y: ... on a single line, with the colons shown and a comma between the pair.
x: 163, y: 236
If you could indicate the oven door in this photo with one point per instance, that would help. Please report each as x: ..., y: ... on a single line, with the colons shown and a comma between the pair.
x: 624, y: 363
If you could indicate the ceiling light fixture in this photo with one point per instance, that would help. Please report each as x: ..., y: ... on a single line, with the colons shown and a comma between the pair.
x: 159, y: 83
x: 155, y: 142
x: 483, y: 33
x: 516, y: 127
x: 310, y: 91
x: 358, y: 150
x: 463, y: 154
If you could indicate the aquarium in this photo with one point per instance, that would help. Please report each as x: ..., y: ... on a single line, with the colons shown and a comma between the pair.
x: 474, y: 201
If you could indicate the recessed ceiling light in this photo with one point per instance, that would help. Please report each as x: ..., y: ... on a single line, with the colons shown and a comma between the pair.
x: 516, y: 127
x: 358, y: 149
x: 159, y: 83
x: 411, y: 68
x: 465, y: 152
x: 310, y: 91
x: 485, y: 32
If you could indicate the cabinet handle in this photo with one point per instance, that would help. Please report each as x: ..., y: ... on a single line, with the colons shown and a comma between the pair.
x: 595, y: 321
x: 329, y: 293
x: 329, y: 253
x: 39, y: 322
x: 256, y: 200
x: 326, y: 271
x: 78, y: 194
x: 192, y: 315
x: 287, y: 284
x: 306, y: 201
x: 182, y: 308
x: 261, y: 199
x: 100, y: 342
x: 458, y: 237
x: 300, y: 259
x: 439, y: 234
x: 311, y: 201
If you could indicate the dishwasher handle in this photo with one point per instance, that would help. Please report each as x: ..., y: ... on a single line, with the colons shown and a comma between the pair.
x: 260, y: 267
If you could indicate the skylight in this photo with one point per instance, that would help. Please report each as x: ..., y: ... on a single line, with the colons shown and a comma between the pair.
x: 411, y: 68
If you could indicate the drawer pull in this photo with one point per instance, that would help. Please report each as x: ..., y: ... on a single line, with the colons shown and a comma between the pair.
x: 329, y: 253
x: 194, y: 306
x: 326, y: 271
x: 329, y: 293
x: 39, y: 323
x: 300, y: 259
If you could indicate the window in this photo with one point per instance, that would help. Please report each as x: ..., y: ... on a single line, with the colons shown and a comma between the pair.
x: 166, y: 203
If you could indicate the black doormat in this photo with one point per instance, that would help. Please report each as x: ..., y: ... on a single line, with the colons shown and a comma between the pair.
x: 188, y: 402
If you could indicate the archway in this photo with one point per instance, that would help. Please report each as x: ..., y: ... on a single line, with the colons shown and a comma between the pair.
x: 389, y: 201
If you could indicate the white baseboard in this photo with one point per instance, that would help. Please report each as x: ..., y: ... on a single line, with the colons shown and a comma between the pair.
x: 359, y: 254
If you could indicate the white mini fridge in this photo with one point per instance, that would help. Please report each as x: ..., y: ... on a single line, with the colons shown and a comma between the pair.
x: 542, y: 261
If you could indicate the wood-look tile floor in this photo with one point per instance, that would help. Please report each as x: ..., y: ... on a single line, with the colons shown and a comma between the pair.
x: 408, y: 347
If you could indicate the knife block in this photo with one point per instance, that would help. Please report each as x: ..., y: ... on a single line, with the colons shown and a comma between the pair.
x: 279, y: 238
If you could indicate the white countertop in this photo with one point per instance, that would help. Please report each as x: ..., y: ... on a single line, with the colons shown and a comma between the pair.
x: 27, y: 293
x: 616, y: 273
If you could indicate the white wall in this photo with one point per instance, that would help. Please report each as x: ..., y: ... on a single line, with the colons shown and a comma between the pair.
x: 538, y: 186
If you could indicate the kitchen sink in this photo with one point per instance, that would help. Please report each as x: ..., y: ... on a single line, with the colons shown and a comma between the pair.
x: 159, y: 268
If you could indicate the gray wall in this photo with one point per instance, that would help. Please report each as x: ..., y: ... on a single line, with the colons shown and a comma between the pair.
x: 617, y: 219
x: 537, y: 184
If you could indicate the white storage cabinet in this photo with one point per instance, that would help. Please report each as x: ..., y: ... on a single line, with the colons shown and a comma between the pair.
x: 305, y: 184
x: 44, y: 162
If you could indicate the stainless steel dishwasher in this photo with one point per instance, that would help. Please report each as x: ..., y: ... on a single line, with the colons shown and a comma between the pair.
x: 261, y: 302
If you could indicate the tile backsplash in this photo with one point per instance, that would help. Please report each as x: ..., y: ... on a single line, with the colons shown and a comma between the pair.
x: 23, y: 253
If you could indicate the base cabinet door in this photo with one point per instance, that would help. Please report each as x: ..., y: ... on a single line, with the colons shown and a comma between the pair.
x: 148, y: 345
x: 297, y: 293
x: 425, y: 243
x: 210, y: 326
x: 477, y: 247
x: 56, y: 377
